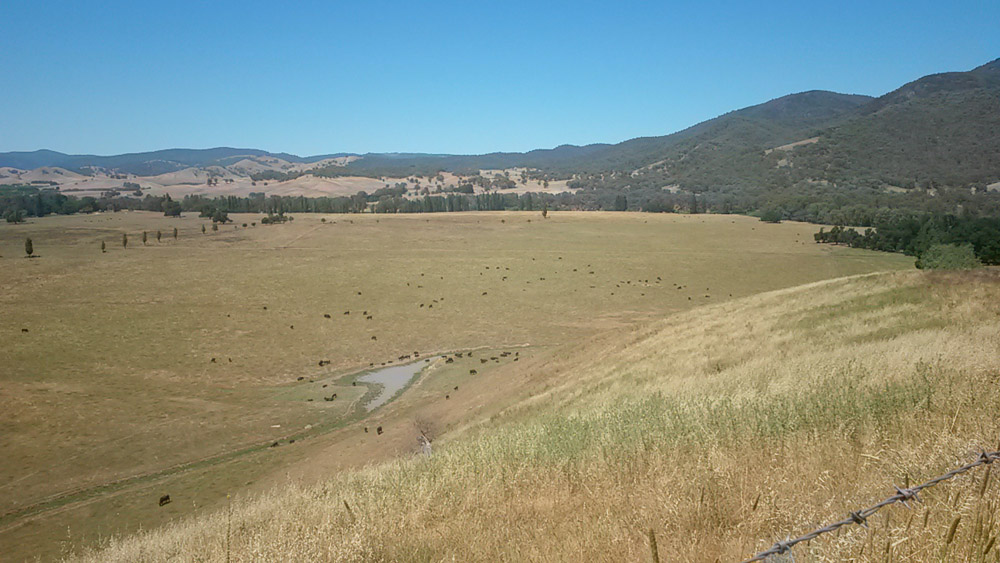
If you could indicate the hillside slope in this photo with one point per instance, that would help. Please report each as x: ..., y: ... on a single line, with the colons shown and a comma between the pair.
x: 939, y: 130
x: 943, y: 129
x: 719, y: 430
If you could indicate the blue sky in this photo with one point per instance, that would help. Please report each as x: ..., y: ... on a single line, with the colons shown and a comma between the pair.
x: 448, y: 77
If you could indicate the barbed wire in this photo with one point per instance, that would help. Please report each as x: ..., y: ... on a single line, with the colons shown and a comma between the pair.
x: 859, y: 517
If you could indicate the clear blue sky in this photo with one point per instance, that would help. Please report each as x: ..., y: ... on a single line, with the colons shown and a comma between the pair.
x: 457, y: 77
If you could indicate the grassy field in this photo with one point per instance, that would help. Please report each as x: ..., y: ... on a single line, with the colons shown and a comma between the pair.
x: 172, y: 365
x: 719, y: 430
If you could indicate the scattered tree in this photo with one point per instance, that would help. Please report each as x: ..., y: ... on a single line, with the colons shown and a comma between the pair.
x: 215, y: 226
x: 144, y: 238
x: 545, y: 209
x: 15, y: 216
x: 124, y: 240
x: 29, y: 249
x: 103, y: 247
x: 170, y: 207
x: 175, y: 233
x: 771, y: 215
x: 159, y: 235
x: 203, y: 229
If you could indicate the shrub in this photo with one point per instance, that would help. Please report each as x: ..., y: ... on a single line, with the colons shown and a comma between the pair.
x: 771, y: 215
x: 948, y: 257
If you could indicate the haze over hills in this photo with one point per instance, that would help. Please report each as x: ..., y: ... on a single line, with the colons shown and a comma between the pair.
x: 941, y: 129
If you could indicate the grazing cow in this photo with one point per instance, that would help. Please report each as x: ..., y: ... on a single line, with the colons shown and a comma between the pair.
x: 373, y: 338
x: 378, y: 430
x: 347, y: 312
x: 449, y: 360
x: 165, y: 499
x: 274, y: 445
x: 299, y: 378
x: 369, y: 317
x: 483, y: 360
x: 24, y: 330
x: 354, y: 384
x: 456, y: 388
x: 366, y: 429
x: 326, y: 315
x: 447, y: 396
x: 473, y: 372
x: 213, y: 360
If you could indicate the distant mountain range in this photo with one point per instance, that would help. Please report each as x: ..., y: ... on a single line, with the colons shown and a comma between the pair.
x: 940, y: 129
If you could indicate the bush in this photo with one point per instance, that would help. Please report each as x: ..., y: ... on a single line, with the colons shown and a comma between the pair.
x: 771, y: 215
x: 15, y: 216
x: 948, y: 257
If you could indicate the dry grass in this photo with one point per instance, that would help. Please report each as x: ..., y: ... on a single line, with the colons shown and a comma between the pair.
x: 722, y: 429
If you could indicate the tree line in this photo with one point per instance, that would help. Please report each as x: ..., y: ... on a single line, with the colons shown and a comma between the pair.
x: 914, y: 235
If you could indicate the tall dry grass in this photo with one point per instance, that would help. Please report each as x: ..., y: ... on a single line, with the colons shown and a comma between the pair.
x: 717, y: 431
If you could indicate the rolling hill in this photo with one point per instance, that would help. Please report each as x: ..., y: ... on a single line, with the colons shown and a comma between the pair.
x: 938, y: 130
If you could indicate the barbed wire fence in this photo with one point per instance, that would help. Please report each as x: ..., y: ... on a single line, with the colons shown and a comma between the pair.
x: 861, y: 516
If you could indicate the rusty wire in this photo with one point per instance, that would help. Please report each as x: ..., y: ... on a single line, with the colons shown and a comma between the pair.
x: 859, y: 517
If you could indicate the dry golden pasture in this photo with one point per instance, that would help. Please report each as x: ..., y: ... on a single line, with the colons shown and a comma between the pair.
x: 718, y: 431
x: 114, y: 379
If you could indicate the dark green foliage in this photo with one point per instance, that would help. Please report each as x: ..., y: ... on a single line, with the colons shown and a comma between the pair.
x: 275, y: 176
x: 144, y: 238
x: 621, y: 203
x: 949, y: 257
x: 771, y: 215
x: 215, y: 226
x: 916, y: 234
x: 29, y: 248
x: 273, y: 219
x: 170, y: 207
x: 15, y: 215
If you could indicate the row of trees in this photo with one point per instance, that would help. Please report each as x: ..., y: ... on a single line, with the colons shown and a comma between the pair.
x: 915, y: 234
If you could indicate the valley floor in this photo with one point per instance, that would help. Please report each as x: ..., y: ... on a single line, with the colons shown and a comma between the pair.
x: 718, y: 430
x: 169, y: 367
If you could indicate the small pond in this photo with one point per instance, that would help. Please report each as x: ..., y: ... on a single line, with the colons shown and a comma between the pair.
x: 392, y: 379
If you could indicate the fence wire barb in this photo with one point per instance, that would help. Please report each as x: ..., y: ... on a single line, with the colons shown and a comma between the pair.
x: 860, y: 517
